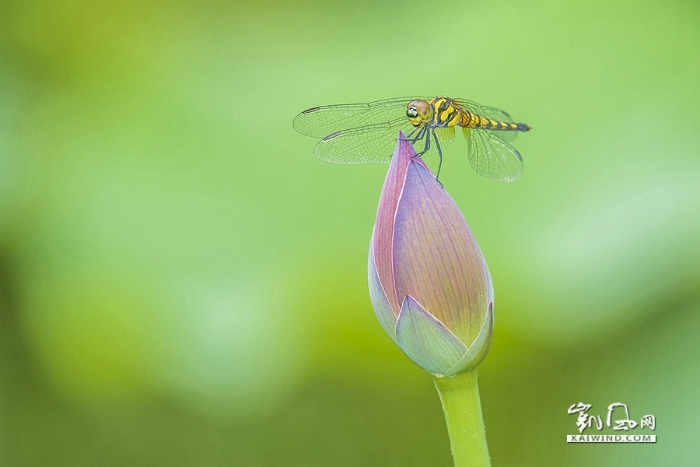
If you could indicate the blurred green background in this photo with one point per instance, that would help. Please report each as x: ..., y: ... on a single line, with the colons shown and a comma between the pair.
x: 183, y: 283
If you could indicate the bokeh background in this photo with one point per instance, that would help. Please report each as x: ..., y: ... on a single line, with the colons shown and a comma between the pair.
x: 182, y: 283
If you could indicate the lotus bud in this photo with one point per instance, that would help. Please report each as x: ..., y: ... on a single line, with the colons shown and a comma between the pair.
x: 428, y: 280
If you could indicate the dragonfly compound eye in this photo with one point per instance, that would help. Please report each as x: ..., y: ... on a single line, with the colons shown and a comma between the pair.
x: 419, y: 112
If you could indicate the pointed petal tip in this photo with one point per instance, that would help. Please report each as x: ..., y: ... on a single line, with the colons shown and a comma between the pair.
x: 404, y: 147
x: 425, y: 340
x: 478, y: 349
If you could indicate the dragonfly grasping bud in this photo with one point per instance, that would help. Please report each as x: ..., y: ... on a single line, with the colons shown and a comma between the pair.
x: 364, y: 133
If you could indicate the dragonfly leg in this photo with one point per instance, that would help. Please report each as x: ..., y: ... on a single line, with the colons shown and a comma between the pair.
x: 427, y: 148
x: 422, y: 134
x: 439, y: 150
x: 419, y: 135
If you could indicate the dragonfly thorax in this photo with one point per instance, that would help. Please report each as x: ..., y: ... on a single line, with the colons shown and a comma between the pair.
x: 419, y: 112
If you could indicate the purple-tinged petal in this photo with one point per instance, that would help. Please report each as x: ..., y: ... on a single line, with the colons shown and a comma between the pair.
x: 381, y: 305
x: 429, y: 283
x: 426, y: 340
x: 383, y: 235
x: 436, y: 258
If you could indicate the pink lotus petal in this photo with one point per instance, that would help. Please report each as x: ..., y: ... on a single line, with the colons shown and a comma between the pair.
x: 436, y: 258
x: 380, y: 303
x: 426, y: 269
x: 383, y: 236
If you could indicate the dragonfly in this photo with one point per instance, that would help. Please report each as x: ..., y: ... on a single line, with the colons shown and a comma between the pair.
x: 366, y: 133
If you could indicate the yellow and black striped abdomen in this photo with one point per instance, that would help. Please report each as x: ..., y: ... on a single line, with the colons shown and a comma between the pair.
x: 472, y: 120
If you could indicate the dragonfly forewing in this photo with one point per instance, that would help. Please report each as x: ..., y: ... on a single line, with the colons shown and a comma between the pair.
x: 326, y: 120
x: 369, y: 144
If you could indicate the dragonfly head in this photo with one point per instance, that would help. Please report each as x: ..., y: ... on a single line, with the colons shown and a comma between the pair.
x: 419, y: 112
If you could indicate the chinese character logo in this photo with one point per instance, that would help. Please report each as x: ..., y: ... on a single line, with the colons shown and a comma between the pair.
x: 618, y: 417
x: 585, y: 420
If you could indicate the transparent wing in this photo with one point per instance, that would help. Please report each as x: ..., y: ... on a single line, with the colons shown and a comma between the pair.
x: 497, y: 114
x: 491, y: 156
x: 323, y: 121
x: 491, y: 112
x: 369, y: 144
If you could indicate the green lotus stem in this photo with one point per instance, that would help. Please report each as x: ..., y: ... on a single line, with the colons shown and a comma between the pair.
x: 460, y: 401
